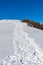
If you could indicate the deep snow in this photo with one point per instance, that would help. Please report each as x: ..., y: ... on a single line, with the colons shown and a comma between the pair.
x: 22, y: 43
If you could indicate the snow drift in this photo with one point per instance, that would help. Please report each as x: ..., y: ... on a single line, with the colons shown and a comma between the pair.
x: 26, y: 50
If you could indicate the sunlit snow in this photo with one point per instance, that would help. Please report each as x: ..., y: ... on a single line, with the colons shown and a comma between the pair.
x: 21, y: 43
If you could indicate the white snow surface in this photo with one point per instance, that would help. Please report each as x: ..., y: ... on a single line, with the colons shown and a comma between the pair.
x: 20, y: 44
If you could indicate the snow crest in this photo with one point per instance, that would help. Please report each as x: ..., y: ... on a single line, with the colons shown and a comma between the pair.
x: 26, y: 52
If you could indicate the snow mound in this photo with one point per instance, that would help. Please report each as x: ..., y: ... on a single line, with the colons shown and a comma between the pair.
x: 26, y: 51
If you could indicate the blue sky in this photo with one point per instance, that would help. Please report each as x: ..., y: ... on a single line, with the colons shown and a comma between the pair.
x: 22, y: 9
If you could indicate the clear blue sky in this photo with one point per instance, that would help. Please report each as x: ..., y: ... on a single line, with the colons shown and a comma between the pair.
x: 22, y: 9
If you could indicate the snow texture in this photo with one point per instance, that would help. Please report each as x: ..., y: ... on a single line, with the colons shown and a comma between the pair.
x: 26, y: 50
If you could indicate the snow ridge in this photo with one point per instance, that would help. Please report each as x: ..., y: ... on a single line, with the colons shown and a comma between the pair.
x: 26, y: 52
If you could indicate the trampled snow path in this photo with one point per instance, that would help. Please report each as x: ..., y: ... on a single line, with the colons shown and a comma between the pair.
x: 26, y: 52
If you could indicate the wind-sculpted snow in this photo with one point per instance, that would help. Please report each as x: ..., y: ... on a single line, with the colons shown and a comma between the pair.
x: 26, y: 51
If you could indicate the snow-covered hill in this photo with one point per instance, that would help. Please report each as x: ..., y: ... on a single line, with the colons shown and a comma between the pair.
x: 20, y: 44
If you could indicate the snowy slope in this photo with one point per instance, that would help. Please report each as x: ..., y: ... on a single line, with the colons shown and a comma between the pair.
x: 25, y: 42
x: 35, y: 33
x: 6, y: 37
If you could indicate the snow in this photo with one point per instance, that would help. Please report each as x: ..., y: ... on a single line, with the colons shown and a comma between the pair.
x: 22, y: 44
